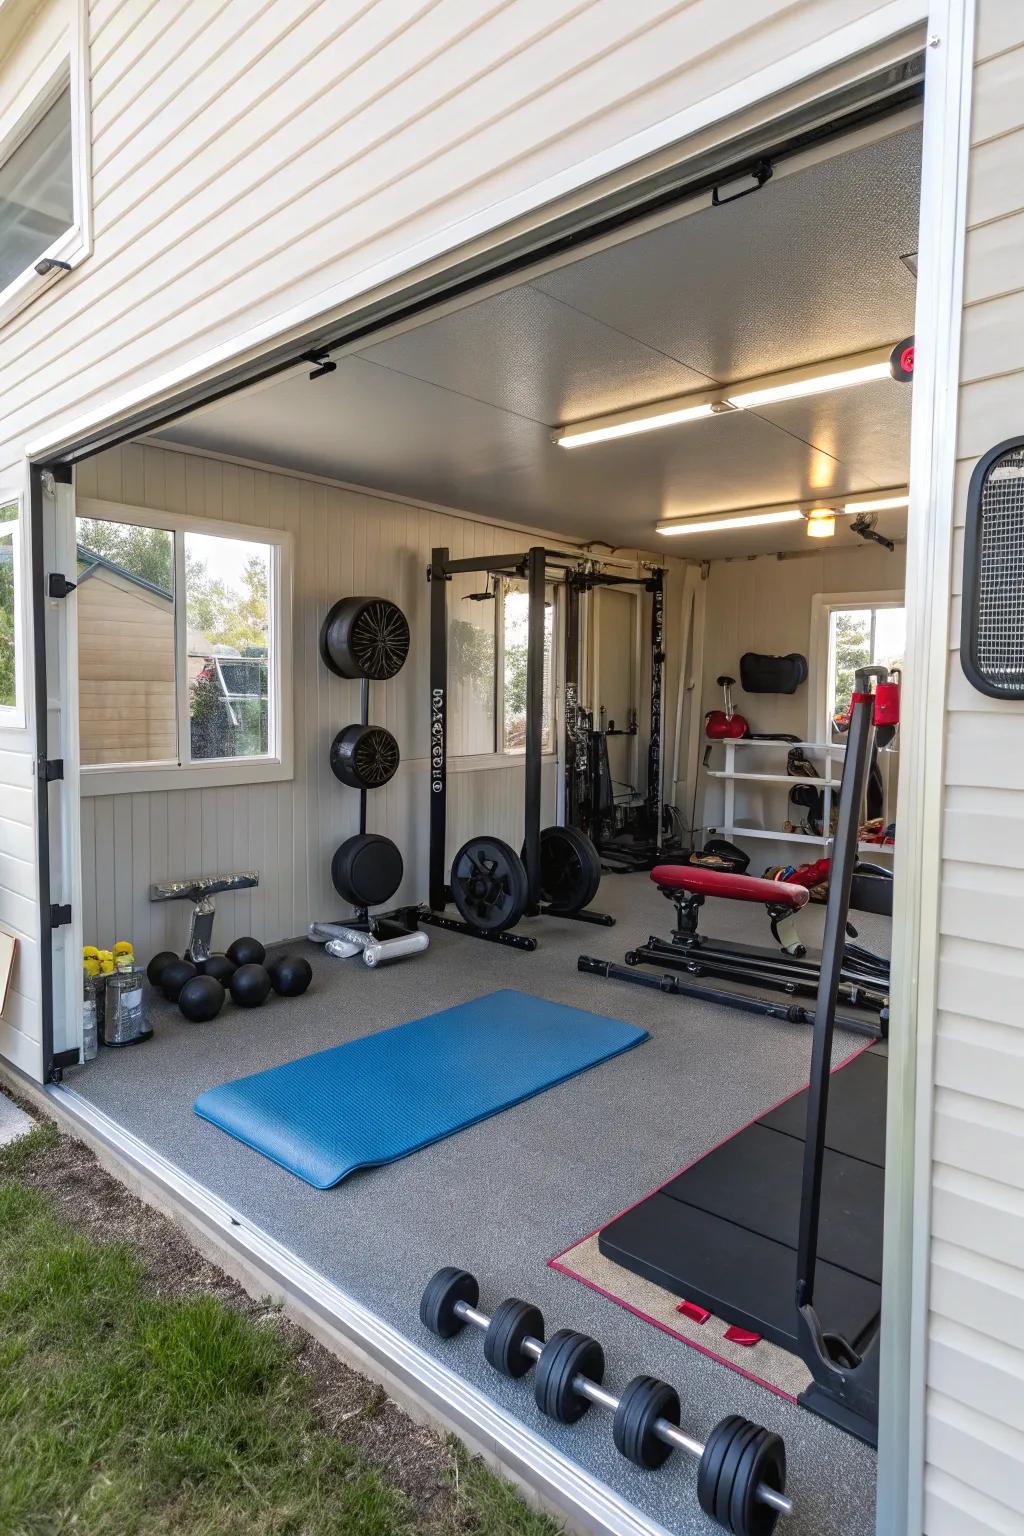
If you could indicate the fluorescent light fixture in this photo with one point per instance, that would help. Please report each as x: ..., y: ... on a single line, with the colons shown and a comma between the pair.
x: 818, y: 381
x: 877, y: 504
x: 769, y: 389
x: 623, y: 426
x: 681, y: 525
x: 821, y: 523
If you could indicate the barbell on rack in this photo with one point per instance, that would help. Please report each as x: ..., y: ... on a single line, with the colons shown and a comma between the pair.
x: 742, y: 1469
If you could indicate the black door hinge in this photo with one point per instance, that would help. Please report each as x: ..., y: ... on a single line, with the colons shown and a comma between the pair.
x: 50, y: 768
x: 57, y: 584
x: 60, y: 916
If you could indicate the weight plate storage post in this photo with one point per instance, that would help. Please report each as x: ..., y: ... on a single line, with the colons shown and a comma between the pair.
x: 741, y: 1477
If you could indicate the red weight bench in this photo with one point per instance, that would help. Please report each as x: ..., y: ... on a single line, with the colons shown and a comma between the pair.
x: 686, y: 885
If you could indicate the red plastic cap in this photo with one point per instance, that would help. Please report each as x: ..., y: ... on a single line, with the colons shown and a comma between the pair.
x: 691, y: 1310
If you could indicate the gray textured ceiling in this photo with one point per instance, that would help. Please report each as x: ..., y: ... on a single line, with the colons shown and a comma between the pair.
x: 458, y: 411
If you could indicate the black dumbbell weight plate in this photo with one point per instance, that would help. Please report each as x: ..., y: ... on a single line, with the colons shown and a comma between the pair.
x: 365, y: 637
x: 489, y: 884
x: 763, y: 1460
x: 512, y: 1322
x: 364, y: 756
x: 566, y: 1355
x: 710, y: 1468
x: 644, y: 1400
x: 441, y: 1292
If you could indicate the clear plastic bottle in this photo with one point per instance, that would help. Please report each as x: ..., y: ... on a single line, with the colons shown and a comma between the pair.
x: 91, y: 999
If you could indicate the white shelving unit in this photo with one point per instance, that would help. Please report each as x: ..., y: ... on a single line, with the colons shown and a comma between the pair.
x: 828, y: 783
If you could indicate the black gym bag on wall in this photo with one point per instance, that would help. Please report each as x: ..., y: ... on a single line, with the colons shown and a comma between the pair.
x: 772, y: 674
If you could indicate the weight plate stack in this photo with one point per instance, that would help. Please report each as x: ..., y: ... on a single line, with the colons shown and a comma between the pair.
x: 644, y: 1400
x: 570, y: 869
x: 566, y: 1356
x: 489, y: 884
x: 737, y: 1457
x: 512, y: 1322
x: 364, y: 756
x: 367, y: 869
x: 365, y: 637
x: 441, y: 1292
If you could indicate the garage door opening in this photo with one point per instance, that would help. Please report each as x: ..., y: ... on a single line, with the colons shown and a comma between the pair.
x: 703, y: 426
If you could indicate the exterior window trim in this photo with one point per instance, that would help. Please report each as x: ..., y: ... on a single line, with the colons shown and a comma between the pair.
x: 12, y: 716
x: 278, y: 765
x: 75, y: 244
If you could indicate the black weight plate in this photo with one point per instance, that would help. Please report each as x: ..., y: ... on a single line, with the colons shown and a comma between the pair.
x: 367, y: 869
x: 489, y: 884
x: 566, y: 1356
x: 512, y: 1322
x: 763, y: 1461
x: 441, y: 1292
x: 570, y: 869
x: 365, y: 637
x: 709, y: 1471
x: 644, y: 1400
x: 364, y: 756
x: 729, y: 1477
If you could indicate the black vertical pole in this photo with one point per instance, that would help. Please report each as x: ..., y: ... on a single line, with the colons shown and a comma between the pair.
x: 536, y: 565
x: 438, y: 724
x: 654, y: 754
x: 364, y: 717
x: 570, y: 768
x: 844, y: 856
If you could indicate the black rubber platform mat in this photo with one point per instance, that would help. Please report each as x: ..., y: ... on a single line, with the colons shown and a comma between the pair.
x: 753, y: 1180
x: 724, y: 1233
x: 856, y: 1110
x: 738, y: 1275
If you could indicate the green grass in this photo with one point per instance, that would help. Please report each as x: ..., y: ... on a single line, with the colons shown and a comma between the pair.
x: 126, y: 1414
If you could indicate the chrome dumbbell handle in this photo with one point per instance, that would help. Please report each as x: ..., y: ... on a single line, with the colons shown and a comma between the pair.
x: 665, y: 1430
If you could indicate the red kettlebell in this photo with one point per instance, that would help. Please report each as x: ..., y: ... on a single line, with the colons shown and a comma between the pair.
x: 725, y: 724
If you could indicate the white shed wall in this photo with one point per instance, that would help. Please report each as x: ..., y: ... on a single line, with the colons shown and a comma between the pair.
x: 975, y: 1365
x: 344, y: 542
x: 251, y: 157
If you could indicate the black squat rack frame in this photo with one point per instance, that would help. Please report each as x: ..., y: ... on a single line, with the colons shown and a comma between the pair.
x: 531, y: 566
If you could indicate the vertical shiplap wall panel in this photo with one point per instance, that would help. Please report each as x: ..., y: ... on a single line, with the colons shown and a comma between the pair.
x: 975, y: 1433
x: 345, y: 541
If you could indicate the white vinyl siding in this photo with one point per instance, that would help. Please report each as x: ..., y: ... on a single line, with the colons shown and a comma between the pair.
x: 975, y: 1366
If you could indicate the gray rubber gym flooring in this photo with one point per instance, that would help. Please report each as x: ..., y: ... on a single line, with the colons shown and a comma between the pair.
x: 503, y: 1196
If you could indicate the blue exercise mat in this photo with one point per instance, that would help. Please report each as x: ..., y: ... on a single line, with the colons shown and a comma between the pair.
x: 386, y: 1095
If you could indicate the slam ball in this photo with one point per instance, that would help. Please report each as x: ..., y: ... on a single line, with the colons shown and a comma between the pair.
x: 219, y: 967
x: 174, y: 976
x: 249, y: 986
x: 247, y: 951
x: 156, y: 967
x: 290, y: 976
x: 201, y: 999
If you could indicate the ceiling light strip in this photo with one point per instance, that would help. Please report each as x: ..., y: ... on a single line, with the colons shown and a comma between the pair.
x: 768, y: 389
x: 685, y: 525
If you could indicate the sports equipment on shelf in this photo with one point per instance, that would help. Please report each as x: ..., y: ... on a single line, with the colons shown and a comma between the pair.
x: 741, y: 1477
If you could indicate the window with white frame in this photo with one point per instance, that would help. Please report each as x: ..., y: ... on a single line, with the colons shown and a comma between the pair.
x: 488, y: 622
x: 11, y: 702
x: 860, y: 633
x: 181, y: 634
x: 45, y: 203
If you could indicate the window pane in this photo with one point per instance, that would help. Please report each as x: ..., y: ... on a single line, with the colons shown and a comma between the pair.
x: 8, y: 680
x: 36, y: 195
x: 890, y: 637
x: 126, y: 674
x: 472, y: 674
x: 227, y: 613
x: 516, y: 614
x: 861, y: 637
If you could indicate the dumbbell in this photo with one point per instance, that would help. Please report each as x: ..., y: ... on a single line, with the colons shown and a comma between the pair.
x: 742, y: 1468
